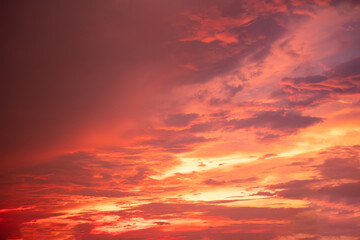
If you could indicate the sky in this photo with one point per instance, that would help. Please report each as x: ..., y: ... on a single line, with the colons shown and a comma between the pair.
x: 183, y: 119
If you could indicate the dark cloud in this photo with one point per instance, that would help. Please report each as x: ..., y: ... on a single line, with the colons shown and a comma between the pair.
x: 117, y: 149
x: 162, y: 223
x: 295, y: 184
x: 263, y: 193
x: 81, y: 191
x: 174, y: 141
x: 235, y: 213
x: 268, y: 155
x: 142, y: 174
x: 180, y: 120
x: 228, y: 91
x: 205, y: 127
x: 348, y: 193
x: 213, y: 182
x: 219, y: 114
x: 213, y: 59
x: 11, y: 221
x: 303, y: 91
x: 77, y: 168
x: 306, y: 80
x: 233, y: 181
x: 341, y: 168
x: 213, y: 233
x: 80, y: 173
x: 340, y: 2
x: 98, y: 193
x: 64, y: 170
x: 288, y: 122
x: 313, y: 90
x: 61, y: 75
x: 346, y: 69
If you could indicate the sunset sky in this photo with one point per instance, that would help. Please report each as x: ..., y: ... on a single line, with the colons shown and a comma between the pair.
x: 180, y: 119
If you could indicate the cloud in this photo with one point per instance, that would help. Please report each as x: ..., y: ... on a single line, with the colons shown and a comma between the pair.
x: 284, y: 121
x: 346, y: 69
x: 343, y: 79
x: 229, y: 91
x: 204, y: 127
x: 143, y: 120
x: 142, y: 174
x: 213, y: 182
x: 180, y: 120
x: 347, y: 193
x: 56, y: 98
x: 337, y: 181
x: 174, y: 141
x: 97, y: 193
x: 255, y: 213
x: 46, y: 117
x: 295, y: 184
x: 263, y: 193
x: 210, y: 26
x: 234, y: 213
x: 188, y: 232
x: 10, y: 224
x: 341, y: 168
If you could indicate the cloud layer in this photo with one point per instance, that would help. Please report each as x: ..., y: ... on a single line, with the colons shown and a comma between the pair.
x: 180, y: 120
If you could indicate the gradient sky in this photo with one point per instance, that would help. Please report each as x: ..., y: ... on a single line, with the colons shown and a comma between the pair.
x: 181, y: 119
